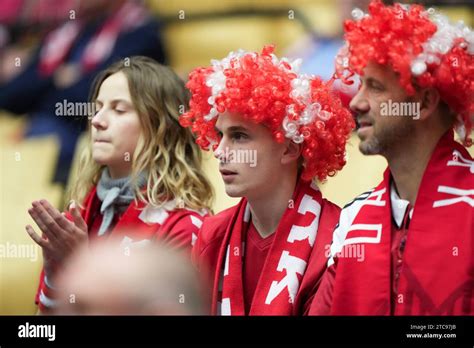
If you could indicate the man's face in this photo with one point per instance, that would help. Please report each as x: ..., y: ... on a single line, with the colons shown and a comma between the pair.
x: 250, y: 159
x: 380, y: 133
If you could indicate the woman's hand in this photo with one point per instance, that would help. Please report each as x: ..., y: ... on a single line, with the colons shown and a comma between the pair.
x: 60, y: 237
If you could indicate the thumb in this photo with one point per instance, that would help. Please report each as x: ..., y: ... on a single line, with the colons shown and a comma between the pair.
x: 77, y: 217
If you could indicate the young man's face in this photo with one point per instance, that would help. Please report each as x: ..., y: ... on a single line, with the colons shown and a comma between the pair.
x: 380, y: 133
x: 250, y: 159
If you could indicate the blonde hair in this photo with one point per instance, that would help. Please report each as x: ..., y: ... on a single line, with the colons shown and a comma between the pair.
x: 165, y: 151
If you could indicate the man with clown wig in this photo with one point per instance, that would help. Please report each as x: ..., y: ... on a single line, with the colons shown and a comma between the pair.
x: 265, y: 256
x: 416, y: 228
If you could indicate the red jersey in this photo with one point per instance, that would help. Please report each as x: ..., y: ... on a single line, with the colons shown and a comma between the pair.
x: 256, y: 250
x: 420, y: 266
x: 295, y: 298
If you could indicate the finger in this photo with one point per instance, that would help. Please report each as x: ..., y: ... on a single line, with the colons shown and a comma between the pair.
x: 36, y: 237
x: 34, y: 215
x: 76, y: 215
x: 45, y: 222
x: 46, y: 233
x: 60, y: 220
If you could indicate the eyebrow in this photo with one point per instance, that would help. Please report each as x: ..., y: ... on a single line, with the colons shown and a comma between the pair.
x: 371, y: 79
x: 116, y: 101
x: 234, y: 129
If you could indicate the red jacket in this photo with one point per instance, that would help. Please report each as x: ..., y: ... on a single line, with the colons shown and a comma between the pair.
x: 206, y: 251
x: 436, y: 275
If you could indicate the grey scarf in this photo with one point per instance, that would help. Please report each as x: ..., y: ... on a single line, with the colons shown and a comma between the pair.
x: 116, y: 195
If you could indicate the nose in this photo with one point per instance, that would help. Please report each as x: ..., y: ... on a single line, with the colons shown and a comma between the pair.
x: 220, y: 152
x: 359, y: 104
x: 99, y: 120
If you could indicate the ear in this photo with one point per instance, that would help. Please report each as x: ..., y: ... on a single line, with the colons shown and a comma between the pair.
x: 291, y: 152
x: 429, y: 99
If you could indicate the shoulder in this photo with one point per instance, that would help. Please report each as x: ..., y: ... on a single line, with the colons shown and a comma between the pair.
x: 330, y: 209
x: 223, y: 216
x: 169, y: 217
x: 214, y: 227
x: 329, y: 218
x: 179, y: 227
x: 210, y: 239
x: 182, y: 218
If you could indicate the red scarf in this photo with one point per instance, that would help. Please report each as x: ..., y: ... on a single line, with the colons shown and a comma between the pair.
x: 59, y: 42
x: 284, y: 266
x: 437, y: 273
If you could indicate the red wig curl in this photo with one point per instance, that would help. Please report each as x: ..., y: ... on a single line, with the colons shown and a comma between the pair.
x: 267, y: 90
x: 421, y: 46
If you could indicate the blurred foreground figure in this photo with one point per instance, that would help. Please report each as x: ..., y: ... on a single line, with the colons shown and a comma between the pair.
x: 110, y: 279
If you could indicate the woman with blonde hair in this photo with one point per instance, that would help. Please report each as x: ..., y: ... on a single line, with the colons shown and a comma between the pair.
x: 140, y: 179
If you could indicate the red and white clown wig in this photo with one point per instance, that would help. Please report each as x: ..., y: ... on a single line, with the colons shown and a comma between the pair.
x: 421, y: 46
x: 267, y: 90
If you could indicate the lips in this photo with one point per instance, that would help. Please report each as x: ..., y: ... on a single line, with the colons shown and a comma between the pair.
x: 364, y: 123
x: 228, y: 176
x: 227, y: 172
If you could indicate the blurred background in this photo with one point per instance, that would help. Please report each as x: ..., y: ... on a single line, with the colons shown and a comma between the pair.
x: 51, y: 50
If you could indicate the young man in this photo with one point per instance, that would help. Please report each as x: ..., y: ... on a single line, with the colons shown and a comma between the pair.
x: 416, y: 228
x: 266, y: 254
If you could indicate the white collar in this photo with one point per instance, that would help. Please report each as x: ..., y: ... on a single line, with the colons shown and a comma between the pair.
x: 399, y: 206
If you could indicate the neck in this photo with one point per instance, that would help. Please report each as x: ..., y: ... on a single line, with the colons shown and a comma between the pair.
x: 408, y: 162
x: 118, y: 173
x: 267, y: 210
